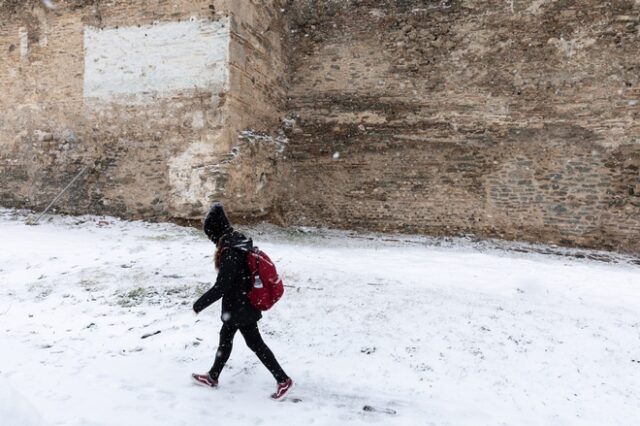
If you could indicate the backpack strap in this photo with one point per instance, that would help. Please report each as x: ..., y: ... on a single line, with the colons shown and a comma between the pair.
x: 256, y: 251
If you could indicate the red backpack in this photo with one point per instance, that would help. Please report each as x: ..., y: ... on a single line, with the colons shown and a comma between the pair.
x: 267, y: 287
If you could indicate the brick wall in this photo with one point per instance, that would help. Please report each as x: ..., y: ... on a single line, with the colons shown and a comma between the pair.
x: 510, y: 119
x: 150, y: 95
x: 257, y: 95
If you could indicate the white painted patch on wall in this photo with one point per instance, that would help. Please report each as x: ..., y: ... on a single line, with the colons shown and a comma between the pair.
x: 139, y: 63
x: 23, y: 35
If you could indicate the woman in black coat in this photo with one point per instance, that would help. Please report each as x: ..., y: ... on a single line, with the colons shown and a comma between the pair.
x: 232, y: 285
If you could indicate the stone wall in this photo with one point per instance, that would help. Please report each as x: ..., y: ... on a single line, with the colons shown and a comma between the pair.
x: 514, y: 119
x: 151, y: 96
x: 510, y: 119
x: 257, y: 99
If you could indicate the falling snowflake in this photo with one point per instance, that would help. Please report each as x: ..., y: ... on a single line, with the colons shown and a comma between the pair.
x: 48, y: 4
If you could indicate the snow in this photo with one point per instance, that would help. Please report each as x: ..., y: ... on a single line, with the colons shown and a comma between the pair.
x: 420, y: 331
x: 14, y: 408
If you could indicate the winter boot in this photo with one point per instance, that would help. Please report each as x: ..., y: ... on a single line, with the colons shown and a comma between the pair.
x: 282, y: 389
x: 205, y: 380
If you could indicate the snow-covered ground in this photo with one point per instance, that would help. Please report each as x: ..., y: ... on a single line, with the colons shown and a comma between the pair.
x: 423, y: 332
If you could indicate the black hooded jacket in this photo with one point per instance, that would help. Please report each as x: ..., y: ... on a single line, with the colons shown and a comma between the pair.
x: 233, y: 282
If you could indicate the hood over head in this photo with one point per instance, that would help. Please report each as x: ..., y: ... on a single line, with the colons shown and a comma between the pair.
x: 216, y: 223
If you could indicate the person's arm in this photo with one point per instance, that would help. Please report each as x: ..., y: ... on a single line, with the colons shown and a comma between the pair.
x: 230, y: 270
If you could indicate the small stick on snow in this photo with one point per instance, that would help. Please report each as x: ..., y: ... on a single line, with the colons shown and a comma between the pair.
x: 144, y: 336
x: 378, y: 410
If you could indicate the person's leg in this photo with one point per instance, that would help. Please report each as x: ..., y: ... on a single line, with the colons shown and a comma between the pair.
x: 224, y: 349
x: 254, y: 341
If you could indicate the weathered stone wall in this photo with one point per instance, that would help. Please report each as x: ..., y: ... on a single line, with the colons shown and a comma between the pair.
x: 257, y: 99
x: 516, y: 119
x: 144, y: 93
x: 510, y: 119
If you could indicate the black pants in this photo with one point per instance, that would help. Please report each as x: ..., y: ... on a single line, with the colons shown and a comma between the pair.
x: 254, y: 341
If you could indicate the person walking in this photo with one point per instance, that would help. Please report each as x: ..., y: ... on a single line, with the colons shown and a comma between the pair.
x: 232, y: 284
